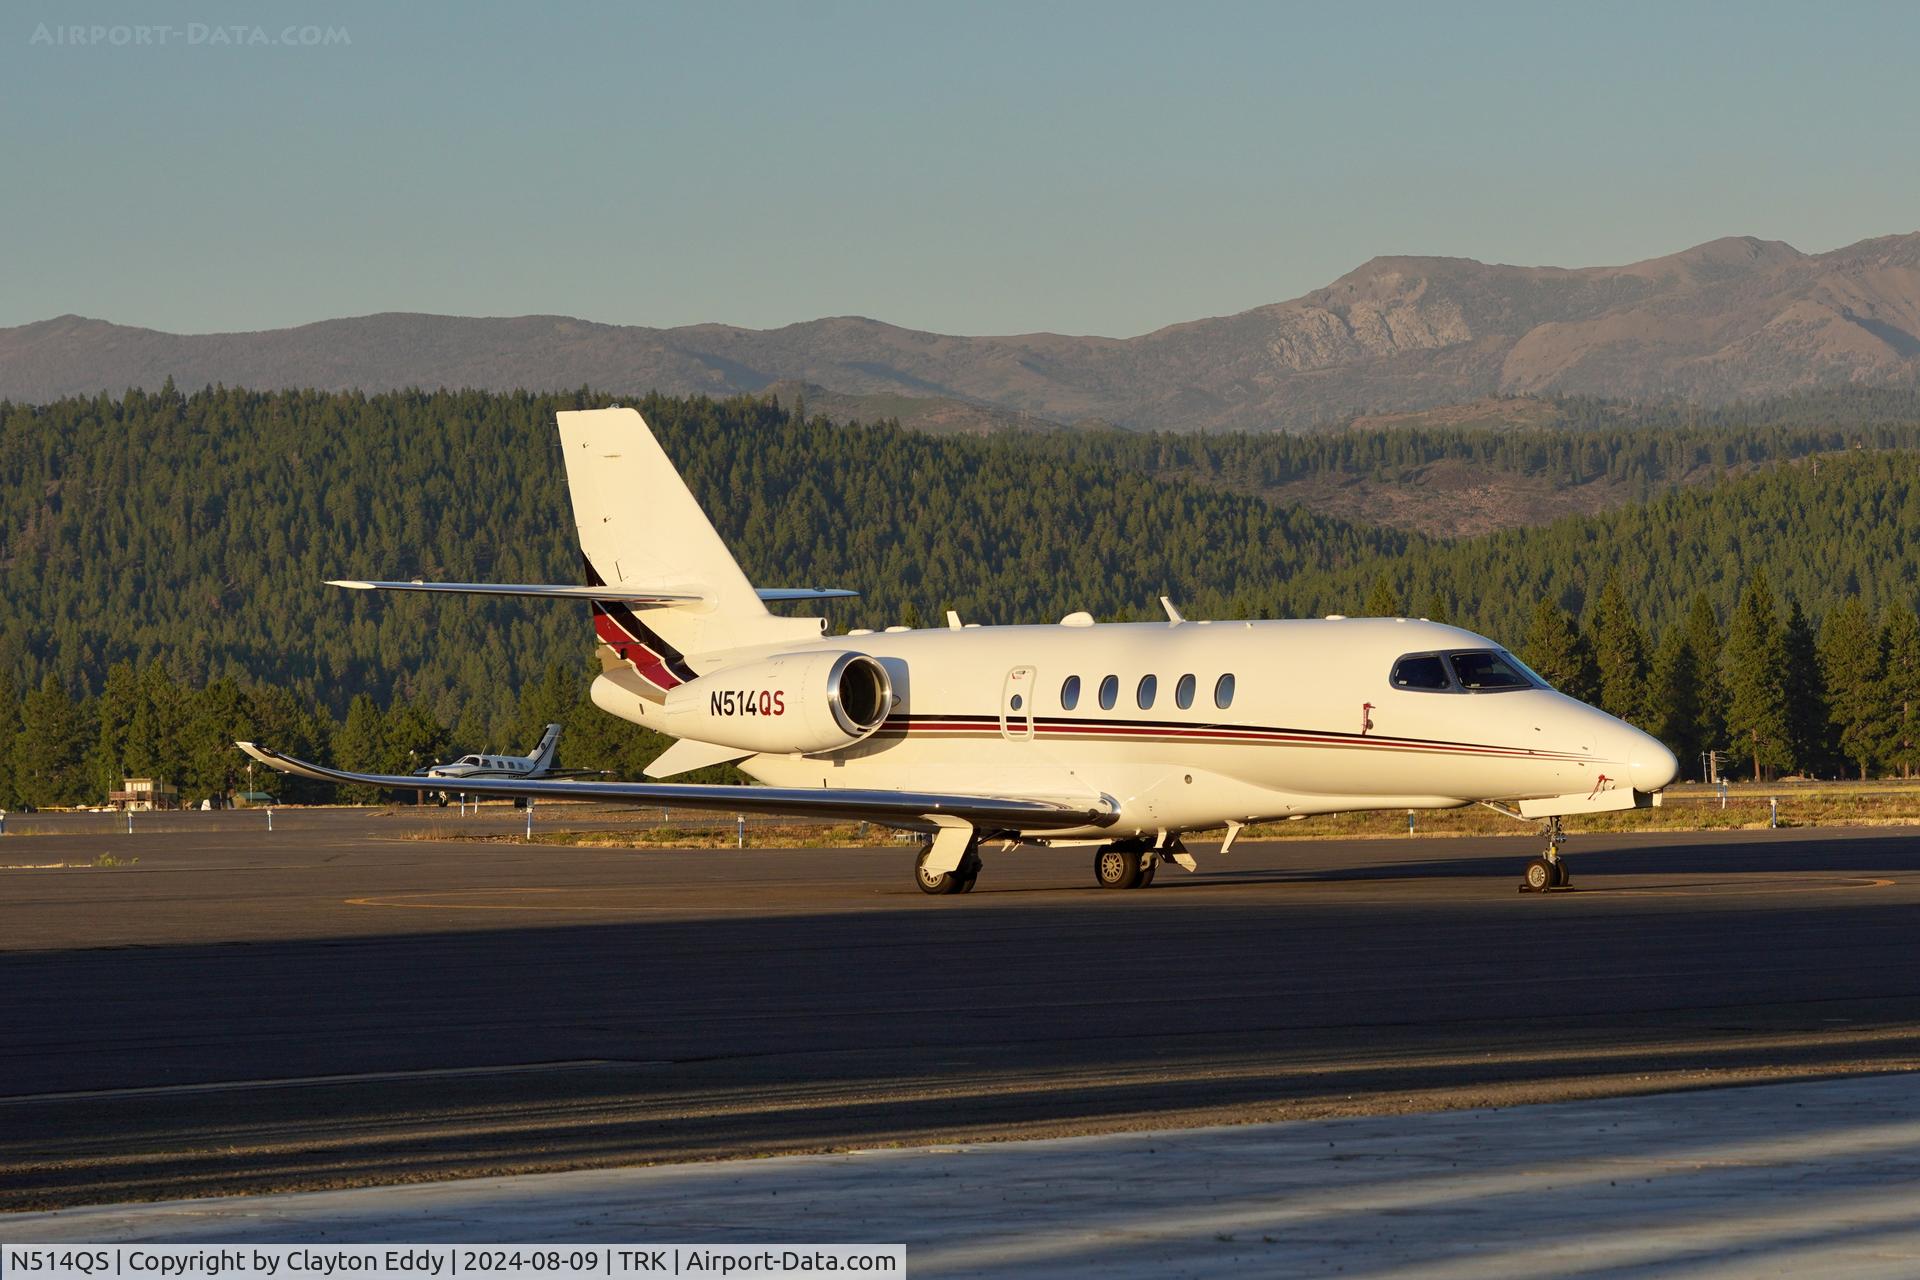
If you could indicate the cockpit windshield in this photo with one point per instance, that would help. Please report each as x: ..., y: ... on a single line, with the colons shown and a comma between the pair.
x: 1463, y: 671
x: 1483, y: 670
x: 1421, y: 671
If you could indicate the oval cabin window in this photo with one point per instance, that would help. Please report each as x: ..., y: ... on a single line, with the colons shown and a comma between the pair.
x: 1109, y: 692
x: 1144, y: 695
x: 1183, y: 692
x: 1223, y: 692
x: 1070, y: 693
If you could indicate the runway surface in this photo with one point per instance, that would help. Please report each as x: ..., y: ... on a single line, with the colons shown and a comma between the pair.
x: 1813, y: 1178
x: 332, y: 1005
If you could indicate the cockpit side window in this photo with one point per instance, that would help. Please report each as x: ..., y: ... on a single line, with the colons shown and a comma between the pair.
x: 1422, y: 671
x: 1488, y: 671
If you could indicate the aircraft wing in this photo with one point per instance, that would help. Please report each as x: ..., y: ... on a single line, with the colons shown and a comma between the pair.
x: 915, y: 809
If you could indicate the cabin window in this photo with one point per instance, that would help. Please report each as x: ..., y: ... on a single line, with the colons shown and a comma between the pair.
x: 1223, y: 691
x: 1426, y: 671
x: 1070, y: 693
x: 1183, y: 692
x: 1109, y: 692
x: 1488, y: 671
x: 1144, y: 695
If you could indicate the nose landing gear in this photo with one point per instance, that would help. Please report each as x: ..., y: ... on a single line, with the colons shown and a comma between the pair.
x: 1548, y: 871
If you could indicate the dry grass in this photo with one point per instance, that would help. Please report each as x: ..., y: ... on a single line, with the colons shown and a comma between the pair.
x: 1746, y: 807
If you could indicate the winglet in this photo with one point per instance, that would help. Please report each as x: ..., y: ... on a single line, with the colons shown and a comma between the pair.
x: 1173, y: 615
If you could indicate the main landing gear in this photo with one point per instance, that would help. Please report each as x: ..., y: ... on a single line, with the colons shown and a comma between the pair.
x: 959, y: 880
x: 1125, y: 864
x: 1548, y: 871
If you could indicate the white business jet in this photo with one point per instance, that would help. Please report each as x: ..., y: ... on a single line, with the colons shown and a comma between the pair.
x: 1120, y: 738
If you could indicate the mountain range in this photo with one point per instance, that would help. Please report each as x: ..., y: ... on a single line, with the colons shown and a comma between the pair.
x: 1732, y: 318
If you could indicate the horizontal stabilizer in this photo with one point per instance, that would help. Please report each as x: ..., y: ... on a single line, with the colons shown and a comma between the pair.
x: 621, y: 595
x: 774, y: 595
x: 920, y: 810
x: 669, y: 596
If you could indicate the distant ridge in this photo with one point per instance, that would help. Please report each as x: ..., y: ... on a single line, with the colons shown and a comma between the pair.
x: 1737, y: 317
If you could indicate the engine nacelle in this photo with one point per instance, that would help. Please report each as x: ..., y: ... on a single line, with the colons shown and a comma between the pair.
x: 792, y: 704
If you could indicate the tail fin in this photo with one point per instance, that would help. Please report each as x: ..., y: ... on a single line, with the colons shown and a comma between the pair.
x: 640, y: 525
x: 543, y: 753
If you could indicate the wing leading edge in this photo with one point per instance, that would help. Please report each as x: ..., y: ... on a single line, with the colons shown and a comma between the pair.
x: 916, y: 809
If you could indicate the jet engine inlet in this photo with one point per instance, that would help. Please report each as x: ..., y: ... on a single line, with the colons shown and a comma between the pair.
x: 859, y: 693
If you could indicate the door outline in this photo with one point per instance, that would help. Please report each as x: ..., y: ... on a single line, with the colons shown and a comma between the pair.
x: 1016, y: 722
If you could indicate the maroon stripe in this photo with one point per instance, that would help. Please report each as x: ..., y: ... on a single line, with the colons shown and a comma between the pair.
x: 651, y: 666
x: 1174, y: 733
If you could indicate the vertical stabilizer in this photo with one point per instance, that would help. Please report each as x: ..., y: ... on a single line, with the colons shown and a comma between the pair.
x: 542, y: 754
x: 640, y: 527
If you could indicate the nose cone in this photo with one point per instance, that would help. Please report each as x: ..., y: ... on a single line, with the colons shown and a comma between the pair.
x: 1650, y: 765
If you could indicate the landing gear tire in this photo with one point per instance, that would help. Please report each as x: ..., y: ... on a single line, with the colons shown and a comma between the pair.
x: 1540, y: 876
x: 936, y: 884
x: 1116, y: 868
x: 968, y: 873
x: 441, y: 799
x: 1549, y: 870
x: 1146, y: 872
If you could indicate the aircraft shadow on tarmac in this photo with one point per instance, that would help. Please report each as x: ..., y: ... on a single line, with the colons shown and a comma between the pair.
x: 1592, y: 858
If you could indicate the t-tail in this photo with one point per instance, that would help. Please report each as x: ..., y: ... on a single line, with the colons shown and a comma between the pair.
x: 640, y: 527
x: 665, y: 591
x: 542, y: 755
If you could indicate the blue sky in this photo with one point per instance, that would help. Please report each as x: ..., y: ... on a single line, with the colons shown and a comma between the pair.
x: 1085, y: 168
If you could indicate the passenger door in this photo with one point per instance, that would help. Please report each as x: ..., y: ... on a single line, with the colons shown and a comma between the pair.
x: 1016, y: 705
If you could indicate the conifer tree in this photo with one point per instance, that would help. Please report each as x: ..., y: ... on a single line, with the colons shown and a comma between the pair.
x: 1854, y: 667
x: 1702, y: 629
x: 413, y: 737
x: 47, y: 752
x: 1900, y: 641
x: 1756, y: 669
x: 118, y: 703
x: 1383, y: 601
x: 1556, y: 649
x: 1806, y: 689
x: 359, y: 746
x: 1674, y: 688
x: 215, y: 719
x: 9, y: 730
x: 1620, y: 651
x: 1439, y: 608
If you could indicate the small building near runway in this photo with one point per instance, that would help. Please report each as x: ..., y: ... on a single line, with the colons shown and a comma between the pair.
x: 145, y: 795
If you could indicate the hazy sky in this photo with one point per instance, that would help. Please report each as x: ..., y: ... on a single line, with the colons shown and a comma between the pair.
x: 1088, y: 168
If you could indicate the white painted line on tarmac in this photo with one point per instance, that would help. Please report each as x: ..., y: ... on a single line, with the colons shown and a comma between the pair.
x: 300, y: 1082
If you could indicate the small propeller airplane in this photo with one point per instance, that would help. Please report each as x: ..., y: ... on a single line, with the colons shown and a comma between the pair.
x: 537, y: 763
x: 1119, y: 738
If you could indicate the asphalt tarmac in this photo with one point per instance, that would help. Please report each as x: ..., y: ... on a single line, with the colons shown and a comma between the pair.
x: 336, y: 1004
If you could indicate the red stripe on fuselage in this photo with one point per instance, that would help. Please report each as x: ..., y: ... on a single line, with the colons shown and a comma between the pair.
x: 1219, y: 734
x: 651, y: 666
